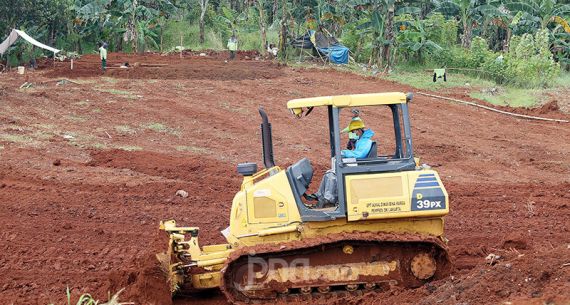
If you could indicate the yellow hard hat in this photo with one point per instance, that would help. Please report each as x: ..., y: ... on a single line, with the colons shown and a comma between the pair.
x: 355, y: 124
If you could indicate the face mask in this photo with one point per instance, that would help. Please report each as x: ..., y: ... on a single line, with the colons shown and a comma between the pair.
x: 353, y: 136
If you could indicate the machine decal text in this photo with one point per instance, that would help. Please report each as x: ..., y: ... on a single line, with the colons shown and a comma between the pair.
x: 386, y: 207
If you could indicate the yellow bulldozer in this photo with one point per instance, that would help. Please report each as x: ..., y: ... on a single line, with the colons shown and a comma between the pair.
x: 382, y: 224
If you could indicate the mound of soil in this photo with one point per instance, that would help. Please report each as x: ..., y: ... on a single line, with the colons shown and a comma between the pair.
x: 550, y: 109
x: 215, y: 66
x: 144, y: 283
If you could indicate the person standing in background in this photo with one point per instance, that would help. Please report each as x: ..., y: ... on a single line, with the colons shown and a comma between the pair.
x: 103, y: 54
x: 233, y: 46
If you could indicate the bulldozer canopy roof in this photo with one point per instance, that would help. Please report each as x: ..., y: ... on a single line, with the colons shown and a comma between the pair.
x: 355, y: 100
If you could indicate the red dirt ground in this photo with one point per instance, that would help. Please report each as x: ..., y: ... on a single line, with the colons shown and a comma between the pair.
x: 89, y: 169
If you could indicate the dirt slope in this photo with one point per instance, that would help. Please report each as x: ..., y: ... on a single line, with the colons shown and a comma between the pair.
x: 89, y: 169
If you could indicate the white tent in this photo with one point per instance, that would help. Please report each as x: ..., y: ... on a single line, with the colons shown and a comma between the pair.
x: 14, y: 36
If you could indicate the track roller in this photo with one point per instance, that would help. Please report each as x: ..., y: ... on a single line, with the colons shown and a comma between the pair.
x: 324, y: 289
x: 306, y: 290
x: 351, y: 287
x: 423, y: 266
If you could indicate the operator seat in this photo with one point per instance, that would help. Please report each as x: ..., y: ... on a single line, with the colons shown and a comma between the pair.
x: 301, y: 173
x: 373, y: 153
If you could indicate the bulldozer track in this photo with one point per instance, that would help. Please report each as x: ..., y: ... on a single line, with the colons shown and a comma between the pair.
x: 336, y: 296
x: 344, y: 264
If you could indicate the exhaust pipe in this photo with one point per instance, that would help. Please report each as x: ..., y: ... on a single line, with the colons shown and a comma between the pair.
x: 267, y: 142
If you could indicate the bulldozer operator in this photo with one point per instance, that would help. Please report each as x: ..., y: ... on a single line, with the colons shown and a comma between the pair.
x: 327, y: 193
x: 352, y: 137
x: 363, y: 143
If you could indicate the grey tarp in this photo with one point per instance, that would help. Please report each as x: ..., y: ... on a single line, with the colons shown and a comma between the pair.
x: 14, y: 36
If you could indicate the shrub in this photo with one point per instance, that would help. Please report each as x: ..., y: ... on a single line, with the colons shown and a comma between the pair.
x: 455, y: 57
x: 528, y: 63
x: 441, y: 31
x: 358, y: 42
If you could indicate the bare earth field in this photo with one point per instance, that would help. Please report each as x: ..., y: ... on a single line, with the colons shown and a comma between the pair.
x: 89, y: 168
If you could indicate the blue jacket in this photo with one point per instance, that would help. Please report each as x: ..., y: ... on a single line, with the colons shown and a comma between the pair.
x: 363, y: 146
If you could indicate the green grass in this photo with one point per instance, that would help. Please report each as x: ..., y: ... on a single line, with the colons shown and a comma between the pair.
x: 125, y: 129
x: 45, y: 126
x: 212, y: 40
x: 75, y: 118
x: 512, y: 97
x: 123, y: 93
x: 423, y: 79
x: 86, y: 81
x: 87, y: 299
x: 159, y: 127
x: 517, y: 97
x: 179, y: 85
x: 233, y: 108
x: 82, y: 103
x: 563, y: 80
x: 99, y: 146
x: 252, y: 40
x: 192, y: 149
x: 109, y: 79
x: 39, y: 135
x: 190, y: 37
x: 15, y: 138
x: 129, y: 147
x: 489, y: 91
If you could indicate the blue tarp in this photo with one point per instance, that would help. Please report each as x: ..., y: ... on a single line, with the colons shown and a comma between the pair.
x: 337, y: 54
x: 325, y: 44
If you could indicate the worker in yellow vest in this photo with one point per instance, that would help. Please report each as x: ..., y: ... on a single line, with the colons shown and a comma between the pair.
x: 233, y: 46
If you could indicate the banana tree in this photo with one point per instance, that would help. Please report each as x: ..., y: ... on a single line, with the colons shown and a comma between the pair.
x: 469, y: 12
x: 262, y: 20
x: 231, y: 19
x: 146, y: 35
x: 126, y: 18
x: 330, y: 16
x: 378, y: 16
x: 506, y: 20
x: 561, y: 48
x: 372, y: 26
x: 413, y: 41
x: 390, y: 6
x: 542, y: 12
x: 203, y: 9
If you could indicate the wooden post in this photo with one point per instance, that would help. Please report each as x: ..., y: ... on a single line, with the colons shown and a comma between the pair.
x: 54, y: 59
x: 72, y: 64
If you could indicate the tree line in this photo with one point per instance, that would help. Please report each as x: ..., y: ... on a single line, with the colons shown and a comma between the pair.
x: 379, y: 32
